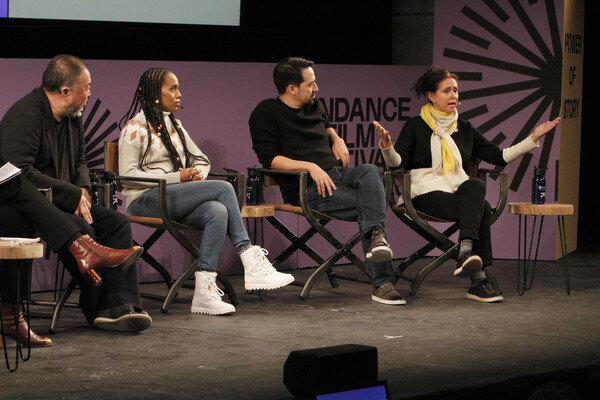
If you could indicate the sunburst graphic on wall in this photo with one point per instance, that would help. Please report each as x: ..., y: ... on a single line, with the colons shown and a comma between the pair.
x: 96, y: 133
x: 541, y: 73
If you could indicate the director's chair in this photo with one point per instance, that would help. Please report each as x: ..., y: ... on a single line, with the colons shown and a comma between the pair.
x: 166, y: 224
x: 317, y: 221
x: 419, y: 222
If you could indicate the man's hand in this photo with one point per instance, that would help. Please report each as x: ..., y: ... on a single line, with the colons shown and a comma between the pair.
x: 85, y: 204
x: 386, y: 139
x: 340, y: 151
x: 322, y: 180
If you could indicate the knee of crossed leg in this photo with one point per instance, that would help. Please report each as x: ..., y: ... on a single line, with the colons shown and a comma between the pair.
x: 217, y: 213
x: 473, y: 186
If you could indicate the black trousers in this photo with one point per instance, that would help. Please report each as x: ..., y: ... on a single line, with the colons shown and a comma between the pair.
x: 467, y: 206
x: 24, y: 211
x: 119, y: 287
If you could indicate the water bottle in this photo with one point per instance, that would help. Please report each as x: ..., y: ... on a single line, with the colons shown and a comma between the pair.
x: 253, y: 188
x: 114, y: 200
x: 232, y: 179
x: 538, y: 186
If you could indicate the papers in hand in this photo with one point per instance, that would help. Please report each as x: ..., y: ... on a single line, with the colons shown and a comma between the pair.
x: 13, y: 241
x: 8, y: 171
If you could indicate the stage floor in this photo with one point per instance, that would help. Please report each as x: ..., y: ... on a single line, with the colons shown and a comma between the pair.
x: 440, y: 341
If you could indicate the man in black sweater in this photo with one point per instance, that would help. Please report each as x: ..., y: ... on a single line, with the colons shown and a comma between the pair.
x: 293, y: 132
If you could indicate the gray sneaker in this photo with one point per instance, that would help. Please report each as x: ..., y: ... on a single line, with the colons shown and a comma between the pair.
x: 387, y: 294
x: 379, y: 250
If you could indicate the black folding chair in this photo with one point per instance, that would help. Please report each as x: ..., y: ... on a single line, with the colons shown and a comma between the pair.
x: 419, y: 222
x: 166, y: 224
x: 317, y: 221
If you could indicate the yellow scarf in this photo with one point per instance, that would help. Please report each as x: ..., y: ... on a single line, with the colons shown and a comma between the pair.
x: 427, y: 112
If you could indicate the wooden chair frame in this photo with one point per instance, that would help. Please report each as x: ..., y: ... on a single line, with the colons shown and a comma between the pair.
x: 418, y: 222
x: 317, y: 221
x: 166, y: 224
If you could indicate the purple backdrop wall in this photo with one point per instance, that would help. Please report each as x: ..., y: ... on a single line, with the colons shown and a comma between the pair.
x: 509, y: 58
x: 217, y: 100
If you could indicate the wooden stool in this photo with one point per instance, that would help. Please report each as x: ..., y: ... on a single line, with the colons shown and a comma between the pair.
x: 258, y: 211
x: 12, y: 250
x: 525, y: 209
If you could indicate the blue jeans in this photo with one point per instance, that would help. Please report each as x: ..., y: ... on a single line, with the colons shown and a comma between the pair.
x: 360, y: 196
x: 209, y: 205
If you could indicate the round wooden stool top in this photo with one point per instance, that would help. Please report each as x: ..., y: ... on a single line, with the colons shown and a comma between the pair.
x: 12, y: 251
x: 540, y: 209
x: 258, y: 211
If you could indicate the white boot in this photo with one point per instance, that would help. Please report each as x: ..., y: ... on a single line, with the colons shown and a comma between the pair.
x: 259, y: 274
x: 207, y: 296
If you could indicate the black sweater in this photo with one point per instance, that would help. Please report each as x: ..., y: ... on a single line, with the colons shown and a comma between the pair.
x: 298, y: 134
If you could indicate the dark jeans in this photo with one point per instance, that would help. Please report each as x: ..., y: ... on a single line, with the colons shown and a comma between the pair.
x: 467, y: 206
x: 360, y: 196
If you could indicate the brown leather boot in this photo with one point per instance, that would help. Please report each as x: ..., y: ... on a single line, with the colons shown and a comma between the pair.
x: 91, y: 255
x: 9, y: 329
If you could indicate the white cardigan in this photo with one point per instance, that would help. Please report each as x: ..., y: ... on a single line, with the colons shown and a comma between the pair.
x: 157, y: 164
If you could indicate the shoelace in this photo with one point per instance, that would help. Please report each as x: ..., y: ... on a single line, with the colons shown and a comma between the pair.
x: 262, y: 261
x: 214, y: 292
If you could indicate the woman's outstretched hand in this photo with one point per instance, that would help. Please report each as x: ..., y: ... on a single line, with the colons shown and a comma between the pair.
x: 542, y: 129
x: 386, y: 139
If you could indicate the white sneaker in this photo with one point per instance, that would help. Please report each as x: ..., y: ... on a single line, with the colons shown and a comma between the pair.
x: 207, y: 296
x: 259, y: 274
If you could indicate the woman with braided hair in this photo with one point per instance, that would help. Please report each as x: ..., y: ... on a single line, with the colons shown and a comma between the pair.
x: 153, y: 144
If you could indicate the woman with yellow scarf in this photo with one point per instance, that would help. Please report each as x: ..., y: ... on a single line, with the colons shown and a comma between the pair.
x: 437, y: 147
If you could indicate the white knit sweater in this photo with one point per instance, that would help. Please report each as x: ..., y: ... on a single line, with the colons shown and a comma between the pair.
x: 157, y: 164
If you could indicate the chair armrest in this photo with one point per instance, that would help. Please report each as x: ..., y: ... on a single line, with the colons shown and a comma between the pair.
x: 139, y: 179
x: 162, y: 193
x: 407, y: 213
x: 502, y: 198
x: 162, y: 205
x: 407, y: 194
x: 391, y: 179
x: 302, y: 186
x: 280, y: 172
x: 224, y: 174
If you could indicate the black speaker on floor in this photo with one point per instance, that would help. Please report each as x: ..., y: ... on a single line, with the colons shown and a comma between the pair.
x: 308, y: 371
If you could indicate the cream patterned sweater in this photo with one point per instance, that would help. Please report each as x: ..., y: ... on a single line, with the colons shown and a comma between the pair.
x: 132, y: 145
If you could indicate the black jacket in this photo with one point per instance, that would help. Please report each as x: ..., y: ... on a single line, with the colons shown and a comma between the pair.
x: 28, y: 139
